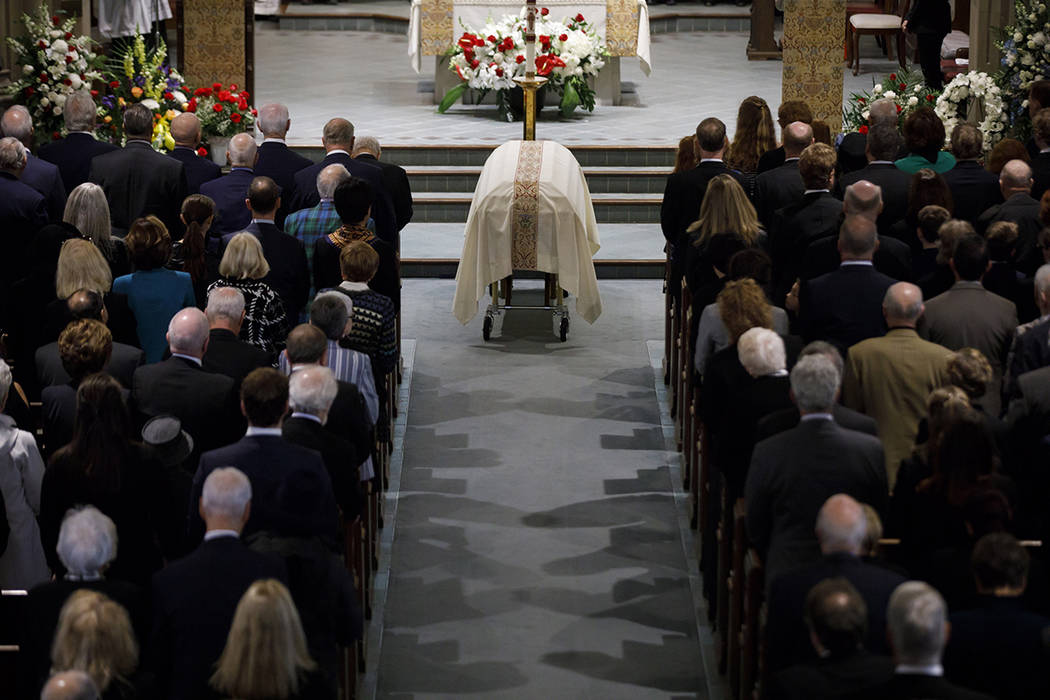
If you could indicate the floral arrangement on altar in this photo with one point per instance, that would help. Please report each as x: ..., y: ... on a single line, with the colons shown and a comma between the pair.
x: 568, y: 52
x: 1026, y: 58
x: 906, y: 88
x: 55, y: 63
x: 973, y: 97
x: 223, y: 111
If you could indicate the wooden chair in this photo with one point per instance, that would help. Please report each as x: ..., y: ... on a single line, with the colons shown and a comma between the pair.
x: 885, y: 27
x: 725, y: 563
x: 735, y: 614
x: 752, y: 650
x: 858, y: 7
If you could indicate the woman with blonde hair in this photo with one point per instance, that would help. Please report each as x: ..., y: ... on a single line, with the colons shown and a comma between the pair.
x: 266, y: 656
x: 94, y: 636
x: 244, y: 266
x: 88, y: 210
x: 755, y: 134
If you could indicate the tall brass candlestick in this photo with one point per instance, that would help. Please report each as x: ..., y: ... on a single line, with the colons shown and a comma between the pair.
x: 530, y: 82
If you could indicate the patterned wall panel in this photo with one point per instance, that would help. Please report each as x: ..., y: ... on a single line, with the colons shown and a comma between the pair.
x: 813, y: 56
x: 215, y: 42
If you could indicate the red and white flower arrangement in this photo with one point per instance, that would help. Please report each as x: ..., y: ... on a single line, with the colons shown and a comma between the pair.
x: 224, y: 110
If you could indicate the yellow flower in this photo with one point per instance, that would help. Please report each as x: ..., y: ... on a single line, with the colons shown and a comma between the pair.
x: 170, y: 114
x: 107, y: 119
x: 136, y: 91
x: 120, y: 101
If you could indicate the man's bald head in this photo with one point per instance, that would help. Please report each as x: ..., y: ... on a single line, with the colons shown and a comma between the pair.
x: 883, y: 112
x: 242, y: 151
x: 863, y: 198
x: 797, y: 135
x: 1015, y: 177
x: 841, y: 526
x: 70, y: 685
x: 902, y: 305
x: 186, y: 130
x: 858, y: 238
x: 188, y: 333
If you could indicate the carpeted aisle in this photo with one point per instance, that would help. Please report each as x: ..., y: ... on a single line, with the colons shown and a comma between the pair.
x: 537, y: 550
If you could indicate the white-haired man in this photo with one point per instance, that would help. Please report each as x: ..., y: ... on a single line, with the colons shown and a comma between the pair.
x: 1015, y: 184
x: 42, y: 176
x: 230, y: 191
x: 194, y: 598
x: 23, y: 211
x: 842, y: 530
x: 276, y: 160
x: 368, y: 150
x: 794, y: 473
x: 227, y: 354
x: 307, y: 225
x: 186, y: 130
x: 73, y: 152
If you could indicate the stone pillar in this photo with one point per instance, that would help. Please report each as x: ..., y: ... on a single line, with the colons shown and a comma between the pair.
x: 986, y: 16
x: 216, y: 42
x: 813, y: 58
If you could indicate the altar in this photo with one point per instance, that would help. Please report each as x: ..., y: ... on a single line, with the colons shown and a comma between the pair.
x: 434, y: 26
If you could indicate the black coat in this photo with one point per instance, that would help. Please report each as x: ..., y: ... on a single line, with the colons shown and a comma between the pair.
x: 387, y: 280
x: 306, y: 195
x: 123, y: 362
x: 198, y: 169
x: 852, y: 152
x: 776, y: 189
x: 348, y: 418
x: 827, y: 679
x: 915, y: 687
x: 894, y: 185
x: 46, y: 179
x: 139, y: 181
x: 973, y: 189
x: 396, y: 180
x: 341, y: 458
x: 929, y: 17
x: 228, y: 192
x: 683, y: 195
x: 788, y: 418
x: 289, y: 272
x: 24, y: 212
x: 229, y: 355
x: 814, y: 216
x: 893, y: 258
x: 1024, y: 211
x: 280, y: 163
x: 72, y: 154
x: 193, y: 602
x: 772, y: 158
x: 844, y: 307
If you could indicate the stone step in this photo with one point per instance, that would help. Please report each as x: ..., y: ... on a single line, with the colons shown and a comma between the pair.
x: 445, y: 268
x: 453, y: 207
x: 625, y: 156
x: 600, y: 179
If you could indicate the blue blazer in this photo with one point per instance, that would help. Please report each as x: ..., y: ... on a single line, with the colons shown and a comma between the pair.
x: 73, y: 155
x: 198, y: 170
x: 46, y: 179
x: 306, y: 195
x: 229, y: 192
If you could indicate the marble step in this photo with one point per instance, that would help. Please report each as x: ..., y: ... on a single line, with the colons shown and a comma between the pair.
x: 600, y: 179
x: 609, y: 208
x: 474, y: 154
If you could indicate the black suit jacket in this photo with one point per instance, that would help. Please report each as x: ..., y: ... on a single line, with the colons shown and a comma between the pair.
x: 194, y: 599
x: 46, y: 179
x: 396, y: 180
x: 198, y: 170
x: 204, y: 402
x: 683, y: 195
x: 776, y: 189
x: 788, y: 418
x: 139, y: 181
x: 893, y: 258
x: 289, y: 273
x: 814, y: 216
x: 23, y: 213
x: 229, y: 355
x: 906, y: 686
x: 787, y: 637
x: 122, y: 364
x: 826, y: 679
x: 232, y: 215
x: 930, y: 17
x: 276, y: 468
x: 280, y: 163
x: 894, y: 185
x: 791, y: 476
x: 973, y: 188
x: 349, y: 419
x: 844, y: 307
x: 341, y: 458
x: 382, y: 207
x: 772, y: 158
x: 1024, y: 211
x: 852, y: 152
x: 73, y: 155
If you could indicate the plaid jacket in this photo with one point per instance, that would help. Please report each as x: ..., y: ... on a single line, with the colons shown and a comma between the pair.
x: 310, y: 224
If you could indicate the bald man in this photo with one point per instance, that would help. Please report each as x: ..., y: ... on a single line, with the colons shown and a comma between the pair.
x: 889, y: 378
x: 205, y: 403
x: 186, y: 130
x: 70, y: 685
x: 842, y: 530
x: 231, y: 190
x: 1015, y: 184
x: 781, y: 186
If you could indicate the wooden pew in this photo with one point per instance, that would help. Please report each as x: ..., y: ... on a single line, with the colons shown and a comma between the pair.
x: 685, y: 379
x: 12, y: 619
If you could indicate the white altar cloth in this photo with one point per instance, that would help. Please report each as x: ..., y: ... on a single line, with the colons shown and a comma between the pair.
x: 476, y: 13
x: 566, y: 230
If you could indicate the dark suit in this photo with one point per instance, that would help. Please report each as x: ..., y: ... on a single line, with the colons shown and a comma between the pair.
x: 815, y: 216
x: 46, y: 179
x: 229, y: 355
x: 396, y: 180
x: 844, y: 307
x: 23, y: 213
x: 198, y: 170
x: 204, y: 402
x: 123, y: 362
x: 683, y: 195
x: 791, y: 476
x: 232, y: 214
x: 973, y: 188
x: 73, y: 155
x: 852, y: 152
x: 1040, y: 174
x: 930, y: 21
x: 193, y: 600
x: 830, y: 678
x: 280, y: 163
x: 289, y: 273
x: 787, y: 637
x: 348, y: 418
x: 772, y: 158
x: 382, y: 206
x: 907, y: 686
x: 892, y: 258
x: 776, y: 189
x: 139, y: 181
x: 341, y: 458
x: 272, y: 463
x: 894, y: 184
x: 1023, y: 211
x: 788, y: 418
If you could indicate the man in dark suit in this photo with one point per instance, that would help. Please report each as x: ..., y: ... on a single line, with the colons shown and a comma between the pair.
x: 930, y: 21
x: 277, y: 161
x: 883, y: 144
x: 917, y: 624
x: 788, y: 418
x: 23, y: 211
x: 1030, y: 348
x: 1015, y: 183
x: 186, y: 130
x: 179, y: 386
x: 837, y: 621
x: 311, y: 392
x: 974, y: 188
x: 230, y: 191
x: 289, y: 274
x: 227, y: 354
x: 794, y: 473
x: 842, y: 530
x: 73, y: 152
x: 194, y: 598
x: 844, y: 307
x: 338, y: 140
x: 998, y: 647
x: 137, y: 180
x: 367, y: 149
x: 42, y: 176
x: 782, y: 186
x: 122, y: 363
x: 1041, y: 162
x: 271, y: 463
x: 789, y: 112
x: 853, y: 149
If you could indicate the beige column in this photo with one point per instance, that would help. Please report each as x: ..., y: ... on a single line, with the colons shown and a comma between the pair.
x: 985, y: 18
x: 813, y: 57
x: 216, y: 42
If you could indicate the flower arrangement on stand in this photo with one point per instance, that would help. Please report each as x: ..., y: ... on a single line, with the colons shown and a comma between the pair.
x: 137, y: 76
x: 1025, y: 50
x: 968, y: 92
x: 906, y: 88
x: 223, y: 111
x: 568, y: 53
x: 54, y: 62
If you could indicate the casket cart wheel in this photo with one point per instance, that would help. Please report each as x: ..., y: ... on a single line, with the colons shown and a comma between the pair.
x: 486, y: 329
x: 564, y: 329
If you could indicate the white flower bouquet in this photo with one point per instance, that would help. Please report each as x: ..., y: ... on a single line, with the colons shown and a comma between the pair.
x: 965, y: 93
x: 1025, y: 48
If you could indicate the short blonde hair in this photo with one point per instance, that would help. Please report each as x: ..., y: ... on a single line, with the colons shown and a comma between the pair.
x: 266, y: 649
x: 94, y: 636
x: 244, y: 259
x: 81, y: 266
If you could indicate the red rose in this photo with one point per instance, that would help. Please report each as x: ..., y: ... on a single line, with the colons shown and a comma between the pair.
x: 56, y: 20
x: 94, y: 93
x: 466, y: 41
x: 898, y: 109
x: 69, y: 35
x: 114, y: 84
x: 475, y: 63
x: 244, y: 94
x: 67, y: 82
x: 578, y: 17
x: 191, y: 106
x: 235, y: 118
x: 30, y: 91
x: 544, y: 11
x: 43, y: 77
x: 903, y: 86
x: 544, y: 39
x: 202, y: 92
x: 861, y: 100
x: 55, y: 136
x: 519, y: 59
x: 217, y: 107
x: 224, y: 95
x: 233, y: 87
x: 563, y: 37
x: 929, y: 98
x: 242, y: 105
x: 863, y: 129
x: 42, y: 44
x: 491, y: 39
x: 255, y: 112
x: 69, y: 59
x: 168, y: 96
x: 216, y: 86
x: 499, y: 72
x: 893, y: 76
x: 202, y: 152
